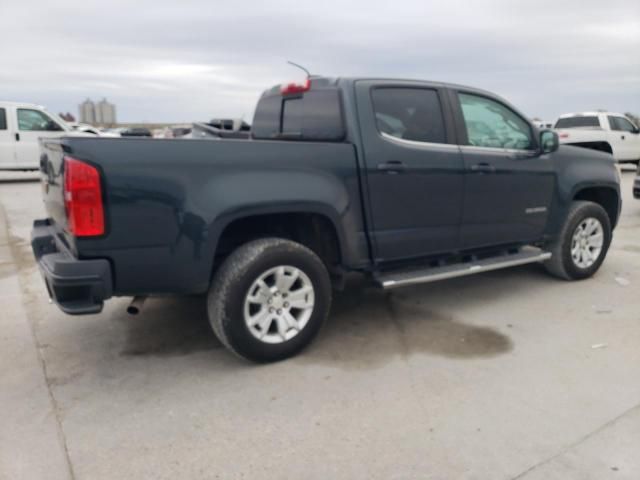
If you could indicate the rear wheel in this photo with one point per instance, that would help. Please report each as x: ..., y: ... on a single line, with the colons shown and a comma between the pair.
x: 269, y: 299
x: 583, y: 242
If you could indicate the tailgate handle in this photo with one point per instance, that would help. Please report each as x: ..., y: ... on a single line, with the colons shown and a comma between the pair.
x: 392, y: 166
x: 483, y: 168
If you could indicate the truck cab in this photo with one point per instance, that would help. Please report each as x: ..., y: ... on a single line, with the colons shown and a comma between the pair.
x: 21, y: 125
x: 403, y: 181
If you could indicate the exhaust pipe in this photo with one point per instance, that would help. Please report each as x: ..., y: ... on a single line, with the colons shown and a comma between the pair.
x: 135, y: 307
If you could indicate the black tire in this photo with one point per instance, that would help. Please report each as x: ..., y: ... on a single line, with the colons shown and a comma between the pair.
x: 561, y: 263
x: 231, y: 283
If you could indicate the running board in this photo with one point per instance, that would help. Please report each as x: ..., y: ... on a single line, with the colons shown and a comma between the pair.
x: 425, y: 275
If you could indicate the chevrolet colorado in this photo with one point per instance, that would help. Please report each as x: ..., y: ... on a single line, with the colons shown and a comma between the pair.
x: 405, y: 181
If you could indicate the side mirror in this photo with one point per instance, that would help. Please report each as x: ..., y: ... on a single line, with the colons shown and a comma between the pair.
x: 549, y: 141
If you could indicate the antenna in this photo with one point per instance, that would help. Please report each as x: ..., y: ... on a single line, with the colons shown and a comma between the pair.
x: 300, y: 67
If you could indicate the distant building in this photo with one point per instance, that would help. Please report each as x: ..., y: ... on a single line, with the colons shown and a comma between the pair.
x: 105, y: 112
x: 87, y: 111
x: 101, y: 113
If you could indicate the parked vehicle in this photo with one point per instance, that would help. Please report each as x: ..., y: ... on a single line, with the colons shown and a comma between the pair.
x: 136, y: 132
x: 177, y: 132
x: 404, y: 181
x: 220, y: 128
x: 604, y: 131
x: 113, y: 132
x: 21, y: 124
x: 85, y: 128
x: 543, y: 124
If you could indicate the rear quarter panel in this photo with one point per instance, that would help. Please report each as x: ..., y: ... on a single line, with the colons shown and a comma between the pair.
x: 168, y: 201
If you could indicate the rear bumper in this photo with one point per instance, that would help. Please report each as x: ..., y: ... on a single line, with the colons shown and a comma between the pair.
x: 77, y: 286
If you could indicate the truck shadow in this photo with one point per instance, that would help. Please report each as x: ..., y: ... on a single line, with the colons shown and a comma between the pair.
x: 172, y: 326
x: 366, y: 326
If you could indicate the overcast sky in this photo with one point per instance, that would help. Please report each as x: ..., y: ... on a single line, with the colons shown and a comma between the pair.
x: 173, y: 61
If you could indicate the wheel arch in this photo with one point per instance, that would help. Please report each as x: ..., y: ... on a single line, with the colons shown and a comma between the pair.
x: 312, y: 224
x: 607, y: 197
x: 600, y: 146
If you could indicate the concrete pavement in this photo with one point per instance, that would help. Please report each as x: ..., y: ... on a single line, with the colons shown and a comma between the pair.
x: 510, y: 374
x: 32, y: 443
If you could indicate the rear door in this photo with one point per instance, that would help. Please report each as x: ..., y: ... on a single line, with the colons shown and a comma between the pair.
x: 31, y: 125
x: 508, y: 184
x: 413, y: 168
x: 7, y: 140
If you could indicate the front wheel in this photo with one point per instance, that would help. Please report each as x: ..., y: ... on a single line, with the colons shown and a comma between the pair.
x: 269, y: 299
x: 582, y: 244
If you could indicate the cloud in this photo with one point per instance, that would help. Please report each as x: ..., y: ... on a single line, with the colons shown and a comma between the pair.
x: 193, y: 60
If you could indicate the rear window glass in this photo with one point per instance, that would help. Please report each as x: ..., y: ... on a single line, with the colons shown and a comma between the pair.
x: 292, y: 116
x: 3, y: 119
x: 316, y: 115
x: 409, y: 113
x: 578, y: 122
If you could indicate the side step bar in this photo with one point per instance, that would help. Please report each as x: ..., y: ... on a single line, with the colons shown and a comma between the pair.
x: 409, y: 277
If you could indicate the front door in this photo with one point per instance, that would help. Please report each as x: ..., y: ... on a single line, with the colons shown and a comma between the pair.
x: 7, y: 141
x: 508, y: 184
x: 413, y: 169
x: 33, y: 124
x: 625, y: 137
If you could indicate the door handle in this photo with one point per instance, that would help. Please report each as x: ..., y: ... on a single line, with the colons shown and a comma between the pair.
x: 622, y: 137
x: 392, y: 166
x: 17, y: 137
x: 483, y: 168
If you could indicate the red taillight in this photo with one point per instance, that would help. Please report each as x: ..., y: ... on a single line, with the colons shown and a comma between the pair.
x: 83, y: 198
x: 290, y: 88
x: 564, y: 135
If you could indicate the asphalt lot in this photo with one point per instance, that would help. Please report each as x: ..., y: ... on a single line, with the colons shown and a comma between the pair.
x: 505, y: 375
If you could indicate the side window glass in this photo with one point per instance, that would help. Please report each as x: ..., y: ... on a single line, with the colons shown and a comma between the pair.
x: 35, y: 120
x: 624, y: 125
x: 3, y: 119
x: 492, y: 124
x: 409, y: 113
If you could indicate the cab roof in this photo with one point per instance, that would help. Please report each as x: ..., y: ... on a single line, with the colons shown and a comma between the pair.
x: 20, y: 104
x: 590, y: 114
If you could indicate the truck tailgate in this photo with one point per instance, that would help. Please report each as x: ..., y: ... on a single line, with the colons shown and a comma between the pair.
x: 52, y: 173
x: 579, y: 135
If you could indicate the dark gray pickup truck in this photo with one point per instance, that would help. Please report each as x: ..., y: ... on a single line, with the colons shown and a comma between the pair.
x: 405, y: 181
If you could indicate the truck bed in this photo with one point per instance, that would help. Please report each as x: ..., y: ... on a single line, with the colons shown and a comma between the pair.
x: 167, y: 201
